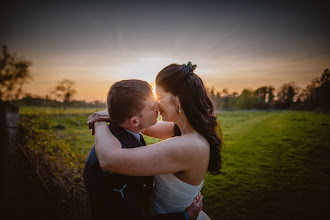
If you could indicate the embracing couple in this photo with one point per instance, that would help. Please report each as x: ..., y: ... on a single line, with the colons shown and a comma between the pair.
x: 124, y: 178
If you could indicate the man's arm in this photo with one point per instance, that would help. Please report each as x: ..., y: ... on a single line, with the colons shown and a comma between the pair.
x: 190, y: 213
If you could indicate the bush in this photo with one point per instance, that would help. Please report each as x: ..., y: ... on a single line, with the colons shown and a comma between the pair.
x: 59, y: 169
x: 59, y: 127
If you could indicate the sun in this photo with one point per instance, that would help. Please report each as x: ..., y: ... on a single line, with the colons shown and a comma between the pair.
x: 153, y: 86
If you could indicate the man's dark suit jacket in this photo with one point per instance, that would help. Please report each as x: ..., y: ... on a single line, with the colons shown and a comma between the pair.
x: 115, y: 196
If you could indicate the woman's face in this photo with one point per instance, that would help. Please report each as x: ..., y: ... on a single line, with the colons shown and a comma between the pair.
x: 167, y: 103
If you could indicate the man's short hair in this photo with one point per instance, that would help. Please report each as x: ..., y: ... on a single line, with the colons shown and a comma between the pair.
x: 126, y: 99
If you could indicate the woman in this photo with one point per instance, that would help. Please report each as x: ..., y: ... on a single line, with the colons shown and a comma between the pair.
x: 179, y: 163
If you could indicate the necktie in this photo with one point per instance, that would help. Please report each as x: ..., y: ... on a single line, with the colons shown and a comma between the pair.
x: 142, y: 140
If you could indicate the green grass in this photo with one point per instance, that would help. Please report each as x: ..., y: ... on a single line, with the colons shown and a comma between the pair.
x: 69, y: 124
x: 276, y: 165
x: 74, y: 131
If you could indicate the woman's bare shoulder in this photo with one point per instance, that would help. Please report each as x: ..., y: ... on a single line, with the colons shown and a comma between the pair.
x: 194, y: 143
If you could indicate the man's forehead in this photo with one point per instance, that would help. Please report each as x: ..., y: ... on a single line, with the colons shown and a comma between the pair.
x: 150, y: 100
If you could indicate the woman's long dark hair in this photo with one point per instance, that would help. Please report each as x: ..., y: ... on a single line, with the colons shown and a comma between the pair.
x: 181, y: 81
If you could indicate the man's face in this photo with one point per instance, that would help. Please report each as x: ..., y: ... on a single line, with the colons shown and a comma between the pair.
x: 149, y: 114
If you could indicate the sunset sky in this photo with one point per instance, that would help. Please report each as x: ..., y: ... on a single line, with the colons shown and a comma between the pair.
x: 235, y: 45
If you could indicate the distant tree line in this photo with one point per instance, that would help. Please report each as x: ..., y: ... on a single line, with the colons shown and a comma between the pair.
x: 14, y: 73
x: 38, y: 101
x: 60, y: 96
x: 316, y: 96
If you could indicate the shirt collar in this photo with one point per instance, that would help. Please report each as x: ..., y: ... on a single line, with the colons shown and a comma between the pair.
x: 136, y: 135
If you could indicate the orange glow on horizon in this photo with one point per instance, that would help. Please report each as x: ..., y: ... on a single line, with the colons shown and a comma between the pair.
x: 93, y: 82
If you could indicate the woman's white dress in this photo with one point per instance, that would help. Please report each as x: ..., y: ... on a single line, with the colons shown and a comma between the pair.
x: 171, y: 195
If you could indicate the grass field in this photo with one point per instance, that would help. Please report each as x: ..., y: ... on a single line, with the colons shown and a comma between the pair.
x: 276, y: 165
x: 70, y: 125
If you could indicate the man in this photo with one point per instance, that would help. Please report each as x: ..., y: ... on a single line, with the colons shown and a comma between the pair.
x: 131, y: 107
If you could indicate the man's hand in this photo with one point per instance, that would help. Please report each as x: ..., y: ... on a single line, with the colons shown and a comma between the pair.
x: 195, y: 207
x: 97, y: 116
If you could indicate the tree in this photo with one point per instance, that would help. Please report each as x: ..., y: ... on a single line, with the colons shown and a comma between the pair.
x: 13, y: 74
x: 218, y: 101
x: 249, y: 100
x: 214, y: 98
x: 309, y: 96
x: 262, y: 93
x: 224, y: 98
x: 271, y: 94
x: 231, y: 101
x: 286, y: 94
x: 323, y: 91
x: 316, y: 94
x: 65, y: 90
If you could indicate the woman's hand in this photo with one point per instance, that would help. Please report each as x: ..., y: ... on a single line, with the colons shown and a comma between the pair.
x: 97, y: 116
